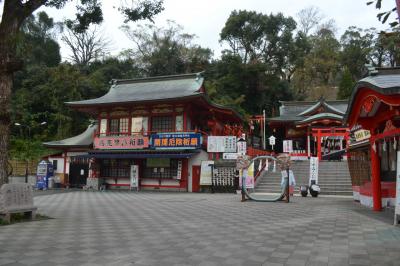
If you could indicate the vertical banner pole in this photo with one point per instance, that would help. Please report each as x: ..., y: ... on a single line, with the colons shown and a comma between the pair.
x: 265, y: 146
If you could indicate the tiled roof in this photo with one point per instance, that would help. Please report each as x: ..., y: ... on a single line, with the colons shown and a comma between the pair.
x: 148, y: 89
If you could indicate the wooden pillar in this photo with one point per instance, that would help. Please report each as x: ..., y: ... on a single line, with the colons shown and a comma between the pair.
x: 185, y: 128
x: 375, y: 178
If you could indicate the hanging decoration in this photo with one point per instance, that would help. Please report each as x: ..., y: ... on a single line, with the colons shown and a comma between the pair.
x: 374, y: 146
x: 384, y: 145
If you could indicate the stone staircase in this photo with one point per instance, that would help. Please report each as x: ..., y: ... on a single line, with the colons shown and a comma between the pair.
x: 334, y: 178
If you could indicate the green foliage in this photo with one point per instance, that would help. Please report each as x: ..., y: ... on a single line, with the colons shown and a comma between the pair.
x: 26, y: 149
x: 36, y: 43
x: 346, y: 85
x: 383, y: 16
x: 357, y: 46
x: 166, y: 50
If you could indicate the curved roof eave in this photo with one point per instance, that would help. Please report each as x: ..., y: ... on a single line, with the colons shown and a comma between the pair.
x: 83, y: 140
x: 320, y: 116
x: 368, y: 84
x: 320, y: 103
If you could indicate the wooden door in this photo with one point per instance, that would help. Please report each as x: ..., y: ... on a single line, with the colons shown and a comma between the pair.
x: 195, y: 178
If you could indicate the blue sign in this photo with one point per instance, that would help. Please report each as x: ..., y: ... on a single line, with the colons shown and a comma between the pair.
x: 176, y: 141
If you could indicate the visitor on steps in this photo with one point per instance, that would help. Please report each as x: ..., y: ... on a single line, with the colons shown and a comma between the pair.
x: 292, y: 181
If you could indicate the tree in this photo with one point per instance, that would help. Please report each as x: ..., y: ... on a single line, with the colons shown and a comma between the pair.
x: 346, y: 85
x: 308, y: 18
x: 316, y: 76
x: 258, y: 37
x: 86, y: 46
x: 166, y: 50
x: 15, y: 12
x: 357, y: 46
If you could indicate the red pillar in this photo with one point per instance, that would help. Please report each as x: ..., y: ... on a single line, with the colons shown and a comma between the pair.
x: 319, y: 146
x: 375, y: 180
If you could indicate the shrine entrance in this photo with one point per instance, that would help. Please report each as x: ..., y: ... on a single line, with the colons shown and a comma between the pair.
x: 330, y: 142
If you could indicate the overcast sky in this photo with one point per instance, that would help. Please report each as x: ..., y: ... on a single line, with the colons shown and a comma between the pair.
x: 206, y: 18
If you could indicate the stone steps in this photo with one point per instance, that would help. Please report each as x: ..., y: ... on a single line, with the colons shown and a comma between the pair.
x: 334, y: 178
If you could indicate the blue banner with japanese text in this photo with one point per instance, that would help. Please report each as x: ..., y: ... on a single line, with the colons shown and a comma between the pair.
x: 176, y: 140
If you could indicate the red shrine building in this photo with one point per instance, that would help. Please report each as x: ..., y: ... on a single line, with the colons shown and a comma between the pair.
x: 374, y: 118
x: 312, y: 129
x: 153, y: 128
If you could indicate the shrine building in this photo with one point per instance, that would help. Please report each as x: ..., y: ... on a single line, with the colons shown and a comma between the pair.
x: 312, y: 128
x: 155, y: 128
x: 373, y: 115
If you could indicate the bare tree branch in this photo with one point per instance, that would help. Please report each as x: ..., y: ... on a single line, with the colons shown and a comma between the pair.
x: 87, y: 46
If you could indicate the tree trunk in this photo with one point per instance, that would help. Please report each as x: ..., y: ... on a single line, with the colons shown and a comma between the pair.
x: 6, y: 82
x: 14, y: 13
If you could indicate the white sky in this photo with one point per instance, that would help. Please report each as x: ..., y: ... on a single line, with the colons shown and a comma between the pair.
x: 206, y: 18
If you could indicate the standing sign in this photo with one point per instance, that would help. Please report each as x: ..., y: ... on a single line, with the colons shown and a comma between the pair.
x: 205, y: 173
x: 241, y: 147
x: 230, y: 156
x: 397, y: 206
x: 313, y: 170
x: 179, y: 171
x: 134, y: 175
x: 288, y: 146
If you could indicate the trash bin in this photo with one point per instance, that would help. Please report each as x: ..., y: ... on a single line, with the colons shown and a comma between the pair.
x: 51, y: 182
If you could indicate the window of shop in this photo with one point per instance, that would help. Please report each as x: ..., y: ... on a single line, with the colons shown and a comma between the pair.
x: 139, y: 125
x: 119, y: 126
x: 123, y: 125
x: 161, y: 168
x: 162, y: 124
x: 179, y: 123
x: 114, y: 126
x: 103, y: 127
x: 114, y: 168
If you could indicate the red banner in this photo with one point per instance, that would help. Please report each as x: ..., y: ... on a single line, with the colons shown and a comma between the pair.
x: 121, y: 142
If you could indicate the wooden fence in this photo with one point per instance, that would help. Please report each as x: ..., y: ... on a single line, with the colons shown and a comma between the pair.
x: 18, y: 167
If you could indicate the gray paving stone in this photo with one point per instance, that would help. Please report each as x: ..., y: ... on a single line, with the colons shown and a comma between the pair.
x: 121, y: 228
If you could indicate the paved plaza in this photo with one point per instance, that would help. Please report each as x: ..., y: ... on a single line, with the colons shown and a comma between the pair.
x: 122, y: 228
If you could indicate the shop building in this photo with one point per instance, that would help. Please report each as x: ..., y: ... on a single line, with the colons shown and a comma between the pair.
x: 154, y: 128
x: 69, y: 169
x: 312, y: 128
x: 373, y: 115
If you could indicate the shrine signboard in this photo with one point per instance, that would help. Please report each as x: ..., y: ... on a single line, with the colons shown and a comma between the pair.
x: 221, y: 144
x: 121, y: 142
x: 176, y: 141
